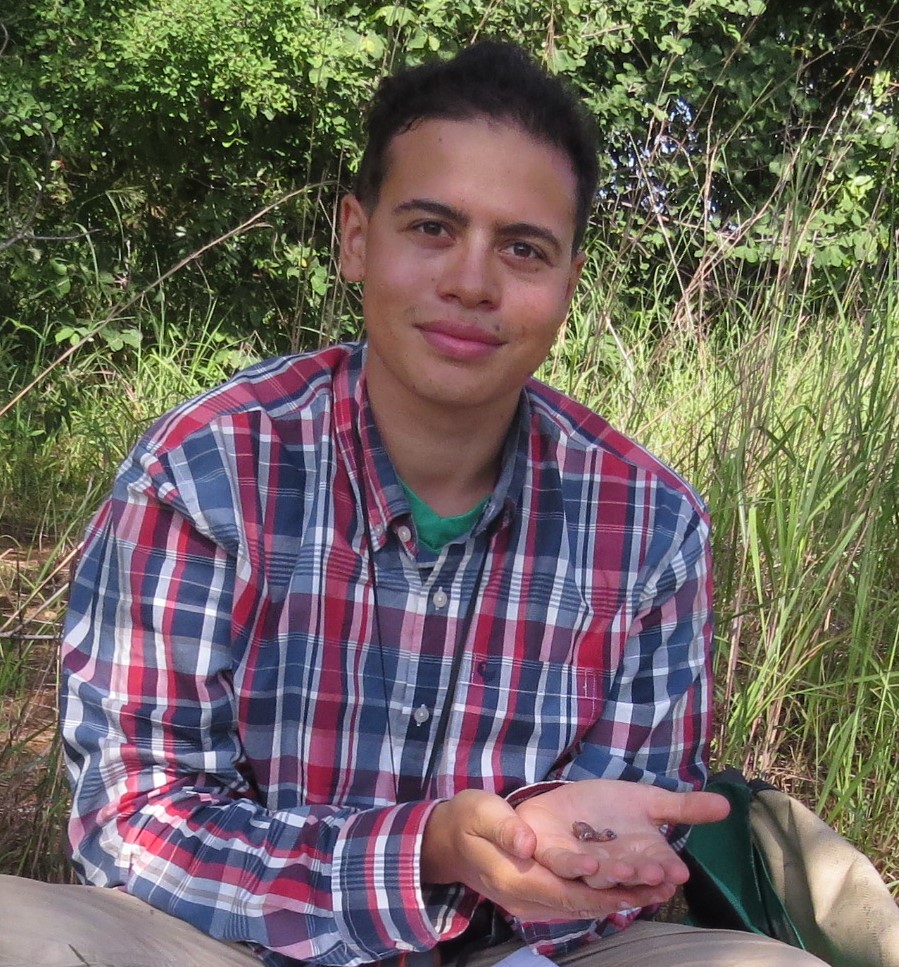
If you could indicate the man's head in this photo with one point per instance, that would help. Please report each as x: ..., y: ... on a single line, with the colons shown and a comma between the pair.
x: 493, y: 81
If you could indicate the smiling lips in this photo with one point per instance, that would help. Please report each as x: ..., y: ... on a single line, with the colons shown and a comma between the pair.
x: 459, y: 341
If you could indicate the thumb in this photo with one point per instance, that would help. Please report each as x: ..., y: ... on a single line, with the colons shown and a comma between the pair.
x: 690, y: 808
x: 517, y: 838
x: 500, y: 824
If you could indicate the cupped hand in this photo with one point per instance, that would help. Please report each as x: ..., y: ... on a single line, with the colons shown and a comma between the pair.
x: 639, y: 857
x: 527, y: 861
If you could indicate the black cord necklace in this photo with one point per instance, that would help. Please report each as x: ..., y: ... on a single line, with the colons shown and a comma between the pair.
x: 487, y: 928
x: 458, y: 649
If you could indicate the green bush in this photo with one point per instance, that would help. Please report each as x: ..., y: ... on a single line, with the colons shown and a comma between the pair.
x: 134, y: 136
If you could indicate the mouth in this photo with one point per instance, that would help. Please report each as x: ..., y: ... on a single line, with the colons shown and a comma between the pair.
x: 460, y: 341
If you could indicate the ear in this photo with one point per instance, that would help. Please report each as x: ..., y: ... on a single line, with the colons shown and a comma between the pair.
x: 574, y: 274
x: 353, y: 234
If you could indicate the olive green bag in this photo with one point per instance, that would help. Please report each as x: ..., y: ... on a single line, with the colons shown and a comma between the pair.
x: 773, y: 867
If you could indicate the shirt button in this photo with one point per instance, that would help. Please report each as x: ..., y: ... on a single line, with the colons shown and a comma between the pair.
x: 440, y: 599
x: 403, y: 533
x: 421, y: 715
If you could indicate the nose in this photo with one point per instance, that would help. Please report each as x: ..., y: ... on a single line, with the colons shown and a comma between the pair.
x: 470, y: 274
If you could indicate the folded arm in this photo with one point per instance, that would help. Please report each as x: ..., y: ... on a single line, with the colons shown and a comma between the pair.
x: 654, y: 729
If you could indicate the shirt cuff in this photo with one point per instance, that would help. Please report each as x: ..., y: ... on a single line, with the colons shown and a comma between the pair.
x: 380, y: 906
x: 522, y: 794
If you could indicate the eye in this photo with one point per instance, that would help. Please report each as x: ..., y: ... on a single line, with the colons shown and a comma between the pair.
x: 525, y: 251
x: 431, y: 228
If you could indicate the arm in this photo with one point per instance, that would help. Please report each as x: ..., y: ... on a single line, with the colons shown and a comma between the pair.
x: 656, y: 721
x: 163, y: 804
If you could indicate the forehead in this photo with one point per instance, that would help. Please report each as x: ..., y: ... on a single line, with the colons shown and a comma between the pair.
x: 479, y: 165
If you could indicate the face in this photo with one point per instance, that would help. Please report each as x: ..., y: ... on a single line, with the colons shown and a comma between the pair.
x: 467, y: 265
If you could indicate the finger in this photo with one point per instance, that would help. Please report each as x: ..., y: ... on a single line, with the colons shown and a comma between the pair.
x: 540, y: 896
x: 622, y: 873
x: 674, y: 868
x: 516, y: 838
x: 646, y: 896
x: 574, y: 900
x: 616, y: 898
x: 687, y: 808
x: 532, y: 892
x: 646, y: 873
x: 566, y: 863
x: 655, y: 867
x: 651, y: 868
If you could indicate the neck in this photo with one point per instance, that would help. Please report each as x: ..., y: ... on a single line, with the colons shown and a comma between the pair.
x: 450, y: 457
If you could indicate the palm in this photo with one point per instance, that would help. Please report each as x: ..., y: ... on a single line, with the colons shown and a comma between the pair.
x: 638, y: 855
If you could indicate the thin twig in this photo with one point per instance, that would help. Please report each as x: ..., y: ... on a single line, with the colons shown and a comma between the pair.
x: 17, y: 638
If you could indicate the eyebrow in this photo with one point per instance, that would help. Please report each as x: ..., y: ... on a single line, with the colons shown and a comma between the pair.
x: 524, y: 229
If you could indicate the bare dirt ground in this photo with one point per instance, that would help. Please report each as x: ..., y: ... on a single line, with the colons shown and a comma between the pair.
x: 33, y: 801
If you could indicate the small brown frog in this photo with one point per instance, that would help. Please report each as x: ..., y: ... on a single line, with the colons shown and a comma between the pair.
x: 587, y: 834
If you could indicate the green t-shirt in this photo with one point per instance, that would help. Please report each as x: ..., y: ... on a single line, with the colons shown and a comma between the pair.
x: 435, y: 531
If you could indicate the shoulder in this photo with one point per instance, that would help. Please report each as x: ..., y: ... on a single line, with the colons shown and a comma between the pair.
x: 281, y: 390
x: 239, y: 459
x: 587, y: 447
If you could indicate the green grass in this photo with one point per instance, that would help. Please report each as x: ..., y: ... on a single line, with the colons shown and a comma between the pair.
x: 59, y: 448
x: 32, y: 797
x: 790, y: 428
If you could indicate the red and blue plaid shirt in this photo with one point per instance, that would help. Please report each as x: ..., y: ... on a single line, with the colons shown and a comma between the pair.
x: 248, y: 722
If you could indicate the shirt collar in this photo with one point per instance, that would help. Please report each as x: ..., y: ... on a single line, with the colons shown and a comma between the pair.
x: 506, y: 494
x: 377, y: 487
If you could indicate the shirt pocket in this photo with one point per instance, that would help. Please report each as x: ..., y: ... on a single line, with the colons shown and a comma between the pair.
x: 521, y: 720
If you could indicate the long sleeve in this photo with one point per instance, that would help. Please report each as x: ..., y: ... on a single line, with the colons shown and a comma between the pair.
x: 164, y: 805
x: 656, y: 722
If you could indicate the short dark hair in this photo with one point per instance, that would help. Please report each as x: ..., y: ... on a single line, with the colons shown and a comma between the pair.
x: 493, y: 80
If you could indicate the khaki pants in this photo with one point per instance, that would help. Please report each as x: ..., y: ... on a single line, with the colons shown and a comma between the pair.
x: 50, y: 925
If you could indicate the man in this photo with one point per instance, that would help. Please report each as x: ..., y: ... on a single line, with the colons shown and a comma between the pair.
x: 388, y: 650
